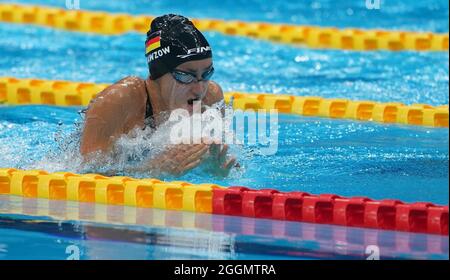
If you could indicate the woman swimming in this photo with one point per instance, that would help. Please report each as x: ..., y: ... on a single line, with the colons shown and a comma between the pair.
x: 180, y: 64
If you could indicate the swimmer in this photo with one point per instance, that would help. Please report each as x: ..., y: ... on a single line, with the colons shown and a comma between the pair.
x: 181, y: 66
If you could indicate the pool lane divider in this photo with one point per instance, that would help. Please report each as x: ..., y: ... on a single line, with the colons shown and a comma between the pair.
x: 421, y: 217
x: 64, y: 93
x: 326, y: 238
x: 309, y: 36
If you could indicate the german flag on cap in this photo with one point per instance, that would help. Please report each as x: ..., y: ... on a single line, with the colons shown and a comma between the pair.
x: 153, y: 43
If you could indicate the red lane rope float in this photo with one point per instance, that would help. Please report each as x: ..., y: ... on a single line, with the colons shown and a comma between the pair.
x: 420, y: 217
x: 326, y: 239
x: 332, y: 209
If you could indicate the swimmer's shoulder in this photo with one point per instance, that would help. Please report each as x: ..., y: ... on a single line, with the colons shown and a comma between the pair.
x: 130, y: 86
x: 215, y: 93
x: 129, y: 91
x: 113, y: 112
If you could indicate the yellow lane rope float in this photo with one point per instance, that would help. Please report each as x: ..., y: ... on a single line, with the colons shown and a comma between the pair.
x: 65, y: 212
x: 298, y: 206
x: 310, y: 36
x: 64, y: 93
x: 118, y: 190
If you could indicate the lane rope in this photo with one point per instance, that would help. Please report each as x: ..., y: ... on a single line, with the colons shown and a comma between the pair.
x: 332, y: 209
x: 403, y: 243
x: 309, y: 36
x: 65, y: 93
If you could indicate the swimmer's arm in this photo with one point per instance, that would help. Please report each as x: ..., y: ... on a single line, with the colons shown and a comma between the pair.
x: 176, y: 160
x: 215, y: 94
x: 95, y: 137
x: 219, y: 163
x: 109, y: 115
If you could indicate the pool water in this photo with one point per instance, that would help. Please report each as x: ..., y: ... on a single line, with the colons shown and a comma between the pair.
x: 314, y: 155
x: 70, y: 230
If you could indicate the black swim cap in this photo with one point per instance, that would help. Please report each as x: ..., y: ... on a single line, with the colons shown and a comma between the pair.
x: 171, y: 41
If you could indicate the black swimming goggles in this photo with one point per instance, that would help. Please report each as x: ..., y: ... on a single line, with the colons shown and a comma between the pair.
x: 187, y: 78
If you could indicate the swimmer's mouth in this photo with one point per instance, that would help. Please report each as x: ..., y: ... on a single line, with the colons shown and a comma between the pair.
x: 191, y: 101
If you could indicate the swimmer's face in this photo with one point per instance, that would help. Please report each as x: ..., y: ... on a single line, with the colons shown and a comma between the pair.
x: 181, y: 96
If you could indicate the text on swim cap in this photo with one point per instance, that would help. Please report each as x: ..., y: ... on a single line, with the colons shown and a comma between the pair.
x: 157, y: 54
x: 195, y: 51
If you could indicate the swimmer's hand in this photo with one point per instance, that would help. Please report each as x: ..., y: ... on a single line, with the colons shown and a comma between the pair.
x: 218, y: 163
x: 179, y: 159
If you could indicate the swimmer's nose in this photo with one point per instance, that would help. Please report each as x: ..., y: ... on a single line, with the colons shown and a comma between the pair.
x: 198, y: 89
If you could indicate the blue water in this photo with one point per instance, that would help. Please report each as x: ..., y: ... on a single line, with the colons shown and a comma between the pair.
x: 314, y: 155
x: 242, y: 64
x: 114, y: 232
x: 393, y: 14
